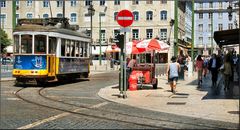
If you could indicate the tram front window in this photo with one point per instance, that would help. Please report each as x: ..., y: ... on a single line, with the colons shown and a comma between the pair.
x: 26, y: 44
x: 40, y: 44
x: 16, y: 43
x: 52, y: 45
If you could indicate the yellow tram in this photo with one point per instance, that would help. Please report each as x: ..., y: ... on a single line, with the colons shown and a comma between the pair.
x: 49, y: 49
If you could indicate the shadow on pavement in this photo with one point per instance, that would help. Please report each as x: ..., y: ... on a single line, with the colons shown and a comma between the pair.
x: 216, y: 92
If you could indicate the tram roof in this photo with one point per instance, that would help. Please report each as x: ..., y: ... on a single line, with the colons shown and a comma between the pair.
x: 40, y: 28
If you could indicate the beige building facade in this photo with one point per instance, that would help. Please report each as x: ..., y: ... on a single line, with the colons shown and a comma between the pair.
x: 152, y: 18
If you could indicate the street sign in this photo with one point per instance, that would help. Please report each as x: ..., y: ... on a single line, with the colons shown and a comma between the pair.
x: 125, y: 29
x: 124, y: 18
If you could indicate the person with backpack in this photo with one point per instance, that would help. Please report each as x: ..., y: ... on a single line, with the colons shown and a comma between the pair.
x: 172, y: 73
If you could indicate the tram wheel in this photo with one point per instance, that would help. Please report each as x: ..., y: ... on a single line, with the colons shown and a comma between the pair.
x: 41, y: 82
x: 20, y: 82
x: 86, y: 75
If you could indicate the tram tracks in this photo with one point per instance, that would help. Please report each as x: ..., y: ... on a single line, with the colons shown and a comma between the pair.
x: 95, y: 111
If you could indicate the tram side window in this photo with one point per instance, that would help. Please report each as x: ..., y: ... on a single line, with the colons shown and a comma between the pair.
x: 40, y: 44
x: 85, y: 49
x: 52, y: 45
x: 68, y: 48
x: 77, y: 48
x: 72, y: 49
x: 26, y: 44
x: 16, y: 43
x: 63, y: 48
x: 81, y: 49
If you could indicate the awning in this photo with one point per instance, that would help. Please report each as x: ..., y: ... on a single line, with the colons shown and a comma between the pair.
x: 9, y: 49
x: 112, y: 48
x: 227, y: 37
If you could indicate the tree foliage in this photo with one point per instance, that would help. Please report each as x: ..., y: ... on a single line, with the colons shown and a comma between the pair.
x: 4, y: 40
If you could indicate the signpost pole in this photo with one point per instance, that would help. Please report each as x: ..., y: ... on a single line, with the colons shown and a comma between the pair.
x: 124, y: 19
x: 125, y: 67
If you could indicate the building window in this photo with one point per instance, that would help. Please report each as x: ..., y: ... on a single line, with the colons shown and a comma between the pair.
x: 164, y: 1
x: 88, y: 2
x: 102, y: 2
x: 210, y: 15
x: 29, y: 2
x: 209, y: 27
x: 115, y: 16
x: 3, y: 20
x: 59, y: 3
x: 210, y: 4
x: 17, y: 2
x: 103, y: 35
x: 135, y: 34
x: 209, y: 40
x: 200, y: 39
x: 29, y: 15
x: 116, y: 2
x: 163, y: 15
x: 135, y: 2
x: 149, y: 33
x: 200, y: 16
x: 149, y: 15
x: 73, y: 17
x: 200, y: 5
x: 59, y: 15
x: 3, y: 3
x: 116, y: 32
x: 230, y: 26
x: 149, y: 1
x: 136, y: 15
x: 200, y: 27
x: 220, y: 27
x: 220, y: 5
x: 220, y: 15
x: 17, y: 17
x: 73, y: 2
x: 45, y: 3
x: 45, y: 15
x: 163, y: 34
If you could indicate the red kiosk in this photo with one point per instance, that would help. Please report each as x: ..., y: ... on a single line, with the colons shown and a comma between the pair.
x: 144, y: 74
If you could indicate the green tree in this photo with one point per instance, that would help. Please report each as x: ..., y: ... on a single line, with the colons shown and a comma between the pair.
x: 4, y: 41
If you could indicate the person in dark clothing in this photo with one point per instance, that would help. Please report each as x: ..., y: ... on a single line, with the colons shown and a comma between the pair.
x: 213, y: 66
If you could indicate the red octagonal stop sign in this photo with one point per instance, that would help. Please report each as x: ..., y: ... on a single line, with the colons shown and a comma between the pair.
x: 124, y: 18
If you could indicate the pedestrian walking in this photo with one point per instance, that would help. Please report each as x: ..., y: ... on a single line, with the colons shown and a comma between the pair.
x: 214, y: 65
x: 199, y: 69
x: 173, y: 69
x: 227, y: 71
x: 205, y: 66
x: 181, y: 60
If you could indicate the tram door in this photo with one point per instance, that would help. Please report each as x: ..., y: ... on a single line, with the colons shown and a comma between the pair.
x: 52, y: 56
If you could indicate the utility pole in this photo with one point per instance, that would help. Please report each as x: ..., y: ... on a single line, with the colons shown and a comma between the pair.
x: 192, y: 46
x: 13, y: 14
x: 63, y: 8
x: 100, y: 40
x: 175, y: 28
x: 212, y: 34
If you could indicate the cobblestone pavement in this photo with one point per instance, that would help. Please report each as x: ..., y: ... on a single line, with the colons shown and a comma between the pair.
x: 89, y: 110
